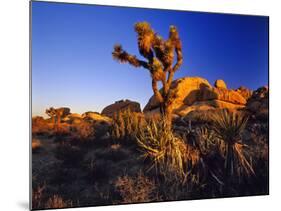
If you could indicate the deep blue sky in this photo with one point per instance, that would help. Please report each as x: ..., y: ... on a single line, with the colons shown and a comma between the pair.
x: 71, y: 52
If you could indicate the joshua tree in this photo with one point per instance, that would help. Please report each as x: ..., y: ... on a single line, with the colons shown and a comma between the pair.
x: 51, y: 112
x: 56, y: 115
x: 159, y: 57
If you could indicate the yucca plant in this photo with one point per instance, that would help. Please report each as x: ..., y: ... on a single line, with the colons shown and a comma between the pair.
x: 171, y: 157
x: 228, y: 127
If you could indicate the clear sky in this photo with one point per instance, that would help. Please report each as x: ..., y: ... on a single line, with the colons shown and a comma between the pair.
x: 72, y: 64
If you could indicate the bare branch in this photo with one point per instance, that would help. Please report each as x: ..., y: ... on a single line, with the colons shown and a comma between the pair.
x: 175, y: 39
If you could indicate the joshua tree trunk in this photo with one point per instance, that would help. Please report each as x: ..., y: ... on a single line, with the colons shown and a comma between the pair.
x: 54, y: 122
x: 58, y: 122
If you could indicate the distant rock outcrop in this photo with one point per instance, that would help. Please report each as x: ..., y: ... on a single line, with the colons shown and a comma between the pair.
x: 195, y: 93
x: 121, y: 106
x: 258, y: 103
x: 95, y: 116
x: 245, y: 92
x: 72, y: 118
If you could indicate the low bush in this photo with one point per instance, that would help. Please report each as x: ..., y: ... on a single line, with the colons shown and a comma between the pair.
x: 36, y: 145
x: 70, y: 155
x: 84, y: 131
x: 136, y: 189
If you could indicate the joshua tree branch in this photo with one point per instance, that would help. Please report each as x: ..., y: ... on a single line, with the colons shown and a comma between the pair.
x: 179, y: 58
x: 122, y: 56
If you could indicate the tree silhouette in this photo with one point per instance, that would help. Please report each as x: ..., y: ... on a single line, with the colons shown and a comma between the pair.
x: 159, y: 57
x: 56, y: 115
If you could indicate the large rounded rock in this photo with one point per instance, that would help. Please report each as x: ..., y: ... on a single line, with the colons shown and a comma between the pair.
x: 121, y: 106
x: 220, y: 84
x: 185, y: 91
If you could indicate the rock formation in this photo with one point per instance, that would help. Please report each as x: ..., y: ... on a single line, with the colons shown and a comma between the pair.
x: 220, y: 84
x: 195, y: 93
x: 96, y: 117
x: 245, y: 92
x: 258, y: 103
x: 121, y: 106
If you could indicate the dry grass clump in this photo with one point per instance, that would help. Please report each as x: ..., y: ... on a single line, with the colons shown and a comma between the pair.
x: 40, y: 200
x: 136, y: 189
x: 171, y: 157
x: 126, y: 125
x: 228, y: 127
x: 36, y: 144
x: 57, y: 202
x: 204, y: 116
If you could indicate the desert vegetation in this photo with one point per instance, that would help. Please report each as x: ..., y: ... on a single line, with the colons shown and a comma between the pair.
x: 192, y: 140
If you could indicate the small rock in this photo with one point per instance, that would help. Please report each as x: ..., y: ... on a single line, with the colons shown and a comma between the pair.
x: 220, y: 84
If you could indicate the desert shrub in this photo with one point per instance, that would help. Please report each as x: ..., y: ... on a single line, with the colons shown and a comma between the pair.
x: 114, y: 152
x: 228, y: 126
x: 83, y: 132
x: 40, y: 126
x: 126, y: 125
x: 258, y: 152
x: 57, y: 202
x: 70, y: 154
x: 136, y: 189
x: 37, y: 197
x: 62, y: 131
x: 171, y: 157
x: 36, y: 145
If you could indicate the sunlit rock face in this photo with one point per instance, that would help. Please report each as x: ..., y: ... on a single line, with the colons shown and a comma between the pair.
x: 220, y: 84
x: 195, y: 93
